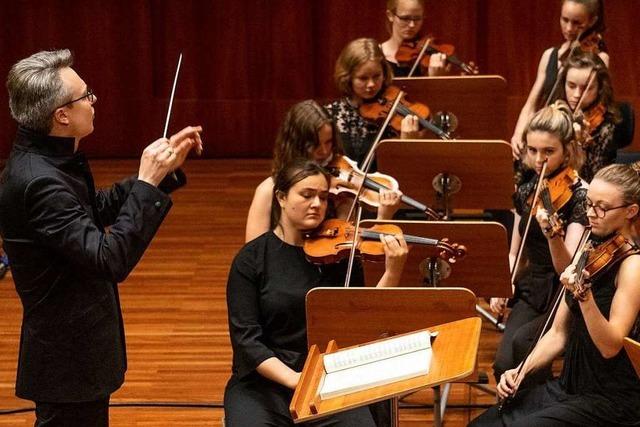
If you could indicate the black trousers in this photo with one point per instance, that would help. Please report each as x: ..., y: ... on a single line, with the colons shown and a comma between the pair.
x: 520, y: 332
x: 74, y: 414
x: 255, y: 401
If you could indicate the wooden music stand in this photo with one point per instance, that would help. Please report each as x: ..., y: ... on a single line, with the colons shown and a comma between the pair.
x: 457, y: 174
x: 484, y: 270
x: 353, y: 316
x: 479, y: 102
x: 633, y: 350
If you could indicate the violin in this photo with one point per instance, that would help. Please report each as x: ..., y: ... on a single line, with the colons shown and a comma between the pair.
x: 333, y: 240
x: 378, y: 109
x: 410, y: 50
x: 586, y: 122
x: 347, y: 178
x: 555, y: 192
x: 596, y: 259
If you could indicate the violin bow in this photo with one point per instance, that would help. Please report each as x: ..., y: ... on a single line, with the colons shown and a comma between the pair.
x: 366, y: 164
x: 420, y: 56
x: 365, y: 169
x: 534, y: 202
x: 550, y: 315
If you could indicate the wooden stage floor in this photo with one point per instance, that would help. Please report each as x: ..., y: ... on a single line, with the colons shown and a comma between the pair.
x: 175, y: 311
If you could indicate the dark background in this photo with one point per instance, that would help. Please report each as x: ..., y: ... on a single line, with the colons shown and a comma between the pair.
x: 246, y: 61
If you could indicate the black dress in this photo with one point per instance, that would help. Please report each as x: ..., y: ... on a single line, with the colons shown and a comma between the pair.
x: 602, y: 150
x: 536, y: 282
x: 266, y: 291
x: 591, y: 390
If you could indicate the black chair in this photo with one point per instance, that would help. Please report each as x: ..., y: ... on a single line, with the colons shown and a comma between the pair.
x: 623, y: 134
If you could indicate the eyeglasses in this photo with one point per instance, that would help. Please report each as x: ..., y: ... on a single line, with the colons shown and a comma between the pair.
x: 599, y: 210
x: 89, y: 95
x: 407, y: 19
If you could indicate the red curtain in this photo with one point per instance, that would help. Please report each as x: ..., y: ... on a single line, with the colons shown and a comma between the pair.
x: 246, y: 61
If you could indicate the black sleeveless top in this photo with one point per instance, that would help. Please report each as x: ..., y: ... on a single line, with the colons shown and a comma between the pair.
x: 612, y: 384
x: 551, y: 74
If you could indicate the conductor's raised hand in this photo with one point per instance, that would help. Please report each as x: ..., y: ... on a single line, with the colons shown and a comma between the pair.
x: 184, y: 141
x: 165, y: 155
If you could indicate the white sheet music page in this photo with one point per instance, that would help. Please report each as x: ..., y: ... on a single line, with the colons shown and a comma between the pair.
x: 376, y: 364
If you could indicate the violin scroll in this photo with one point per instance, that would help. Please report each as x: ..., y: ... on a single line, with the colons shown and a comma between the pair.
x: 451, y: 251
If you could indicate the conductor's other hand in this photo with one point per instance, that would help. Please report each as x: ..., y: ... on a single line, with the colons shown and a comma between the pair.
x: 166, y: 155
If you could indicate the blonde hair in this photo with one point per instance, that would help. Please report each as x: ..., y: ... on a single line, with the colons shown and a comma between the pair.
x: 624, y: 176
x: 557, y: 120
x: 355, y: 54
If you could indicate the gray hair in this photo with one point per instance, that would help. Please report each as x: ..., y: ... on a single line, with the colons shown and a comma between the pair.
x: 36, y: 89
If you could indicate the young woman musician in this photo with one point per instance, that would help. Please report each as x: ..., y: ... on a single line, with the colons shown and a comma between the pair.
x: 576, y: 17
x: 267, y: 284
x: 306, y: 132
x: 361, y: 75
x: 598, y: 385
x: 546, y: 253
x: 597, y: 115
x: 404, y: 22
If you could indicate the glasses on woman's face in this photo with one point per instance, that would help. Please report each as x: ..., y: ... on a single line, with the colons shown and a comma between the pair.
x: 88, y: 94
x: 599, y: 210
x: 408, y: 19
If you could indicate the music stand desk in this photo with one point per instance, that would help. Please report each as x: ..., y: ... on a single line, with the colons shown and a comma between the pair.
x: 484, y: 270
x: 479, y: 102
x: 484, y: 170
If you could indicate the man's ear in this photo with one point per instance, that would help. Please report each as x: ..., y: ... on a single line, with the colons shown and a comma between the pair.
x: 60, y: 116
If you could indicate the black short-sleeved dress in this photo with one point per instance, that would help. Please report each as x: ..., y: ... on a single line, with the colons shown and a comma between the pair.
x: 266, y: 291
x: 536, y: 282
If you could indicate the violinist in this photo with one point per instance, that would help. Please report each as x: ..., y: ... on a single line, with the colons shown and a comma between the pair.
x: 307, y: 132
x: 546, y: 251
x: 266, y: 290
x: 598, y: 385
x: 404, y: 22
x: 596, y: 114
x: 362, y: 75
x: 576, y: 18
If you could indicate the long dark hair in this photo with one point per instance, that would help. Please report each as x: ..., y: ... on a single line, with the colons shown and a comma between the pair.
x: 298, y: 134
x: 287, y: 177
x: 581, y: 60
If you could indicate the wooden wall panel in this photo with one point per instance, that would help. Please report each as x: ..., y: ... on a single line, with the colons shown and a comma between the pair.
x: 247, y: 61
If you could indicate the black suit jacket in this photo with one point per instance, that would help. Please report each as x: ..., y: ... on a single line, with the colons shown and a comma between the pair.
x: 66, y: 266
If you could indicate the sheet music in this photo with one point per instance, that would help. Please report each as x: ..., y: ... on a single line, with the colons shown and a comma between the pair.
x: 376, y: 364
x: 376, y: 374
x: 369, y: 353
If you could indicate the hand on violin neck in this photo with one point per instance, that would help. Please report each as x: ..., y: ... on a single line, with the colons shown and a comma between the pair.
x: 438, y: 65
x: 390, y: 201
x: 578, y: 286
x: 395, y: 251
x: 410, y: 128
x: 542, y: 216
